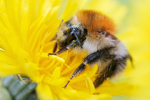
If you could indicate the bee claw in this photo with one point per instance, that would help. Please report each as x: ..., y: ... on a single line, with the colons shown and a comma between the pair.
x: 69, y: 81
x: 66, y: 84
x: 51, y: 54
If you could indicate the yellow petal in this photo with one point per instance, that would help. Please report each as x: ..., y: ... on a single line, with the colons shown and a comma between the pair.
x: 44, y: 92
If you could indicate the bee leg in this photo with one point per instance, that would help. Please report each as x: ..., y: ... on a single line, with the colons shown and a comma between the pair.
x: 131, y: 60
x: 114, y: 67
x: 76, y: 72
x: 55, y: 48
x: 63, y: 49
x: 89, y: 59
x: 54, y: 38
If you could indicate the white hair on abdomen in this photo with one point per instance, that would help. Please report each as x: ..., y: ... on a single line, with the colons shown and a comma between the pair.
x: 119, y: 50
x: 92, y: 45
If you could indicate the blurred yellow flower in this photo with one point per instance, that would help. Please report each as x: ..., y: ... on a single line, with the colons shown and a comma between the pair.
x: 26, y: 28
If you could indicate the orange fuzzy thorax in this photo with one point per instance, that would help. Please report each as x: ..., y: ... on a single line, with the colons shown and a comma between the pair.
x: 94, y: 21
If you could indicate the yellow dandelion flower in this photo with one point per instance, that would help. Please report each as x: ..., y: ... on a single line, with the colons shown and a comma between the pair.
x: 26, y: 28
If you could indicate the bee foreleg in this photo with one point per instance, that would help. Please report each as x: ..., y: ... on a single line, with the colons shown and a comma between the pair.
x: 63, y: 49
x: 114, y: 67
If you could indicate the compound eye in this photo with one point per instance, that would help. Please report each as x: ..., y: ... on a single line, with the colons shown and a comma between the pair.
x: 67, y: 32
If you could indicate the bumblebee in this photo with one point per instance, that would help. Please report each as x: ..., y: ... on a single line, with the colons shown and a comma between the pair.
x: 93, y: 32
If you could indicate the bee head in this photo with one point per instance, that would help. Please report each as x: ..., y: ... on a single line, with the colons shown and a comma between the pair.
x: 69, y: 35
x: 68, y: 32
